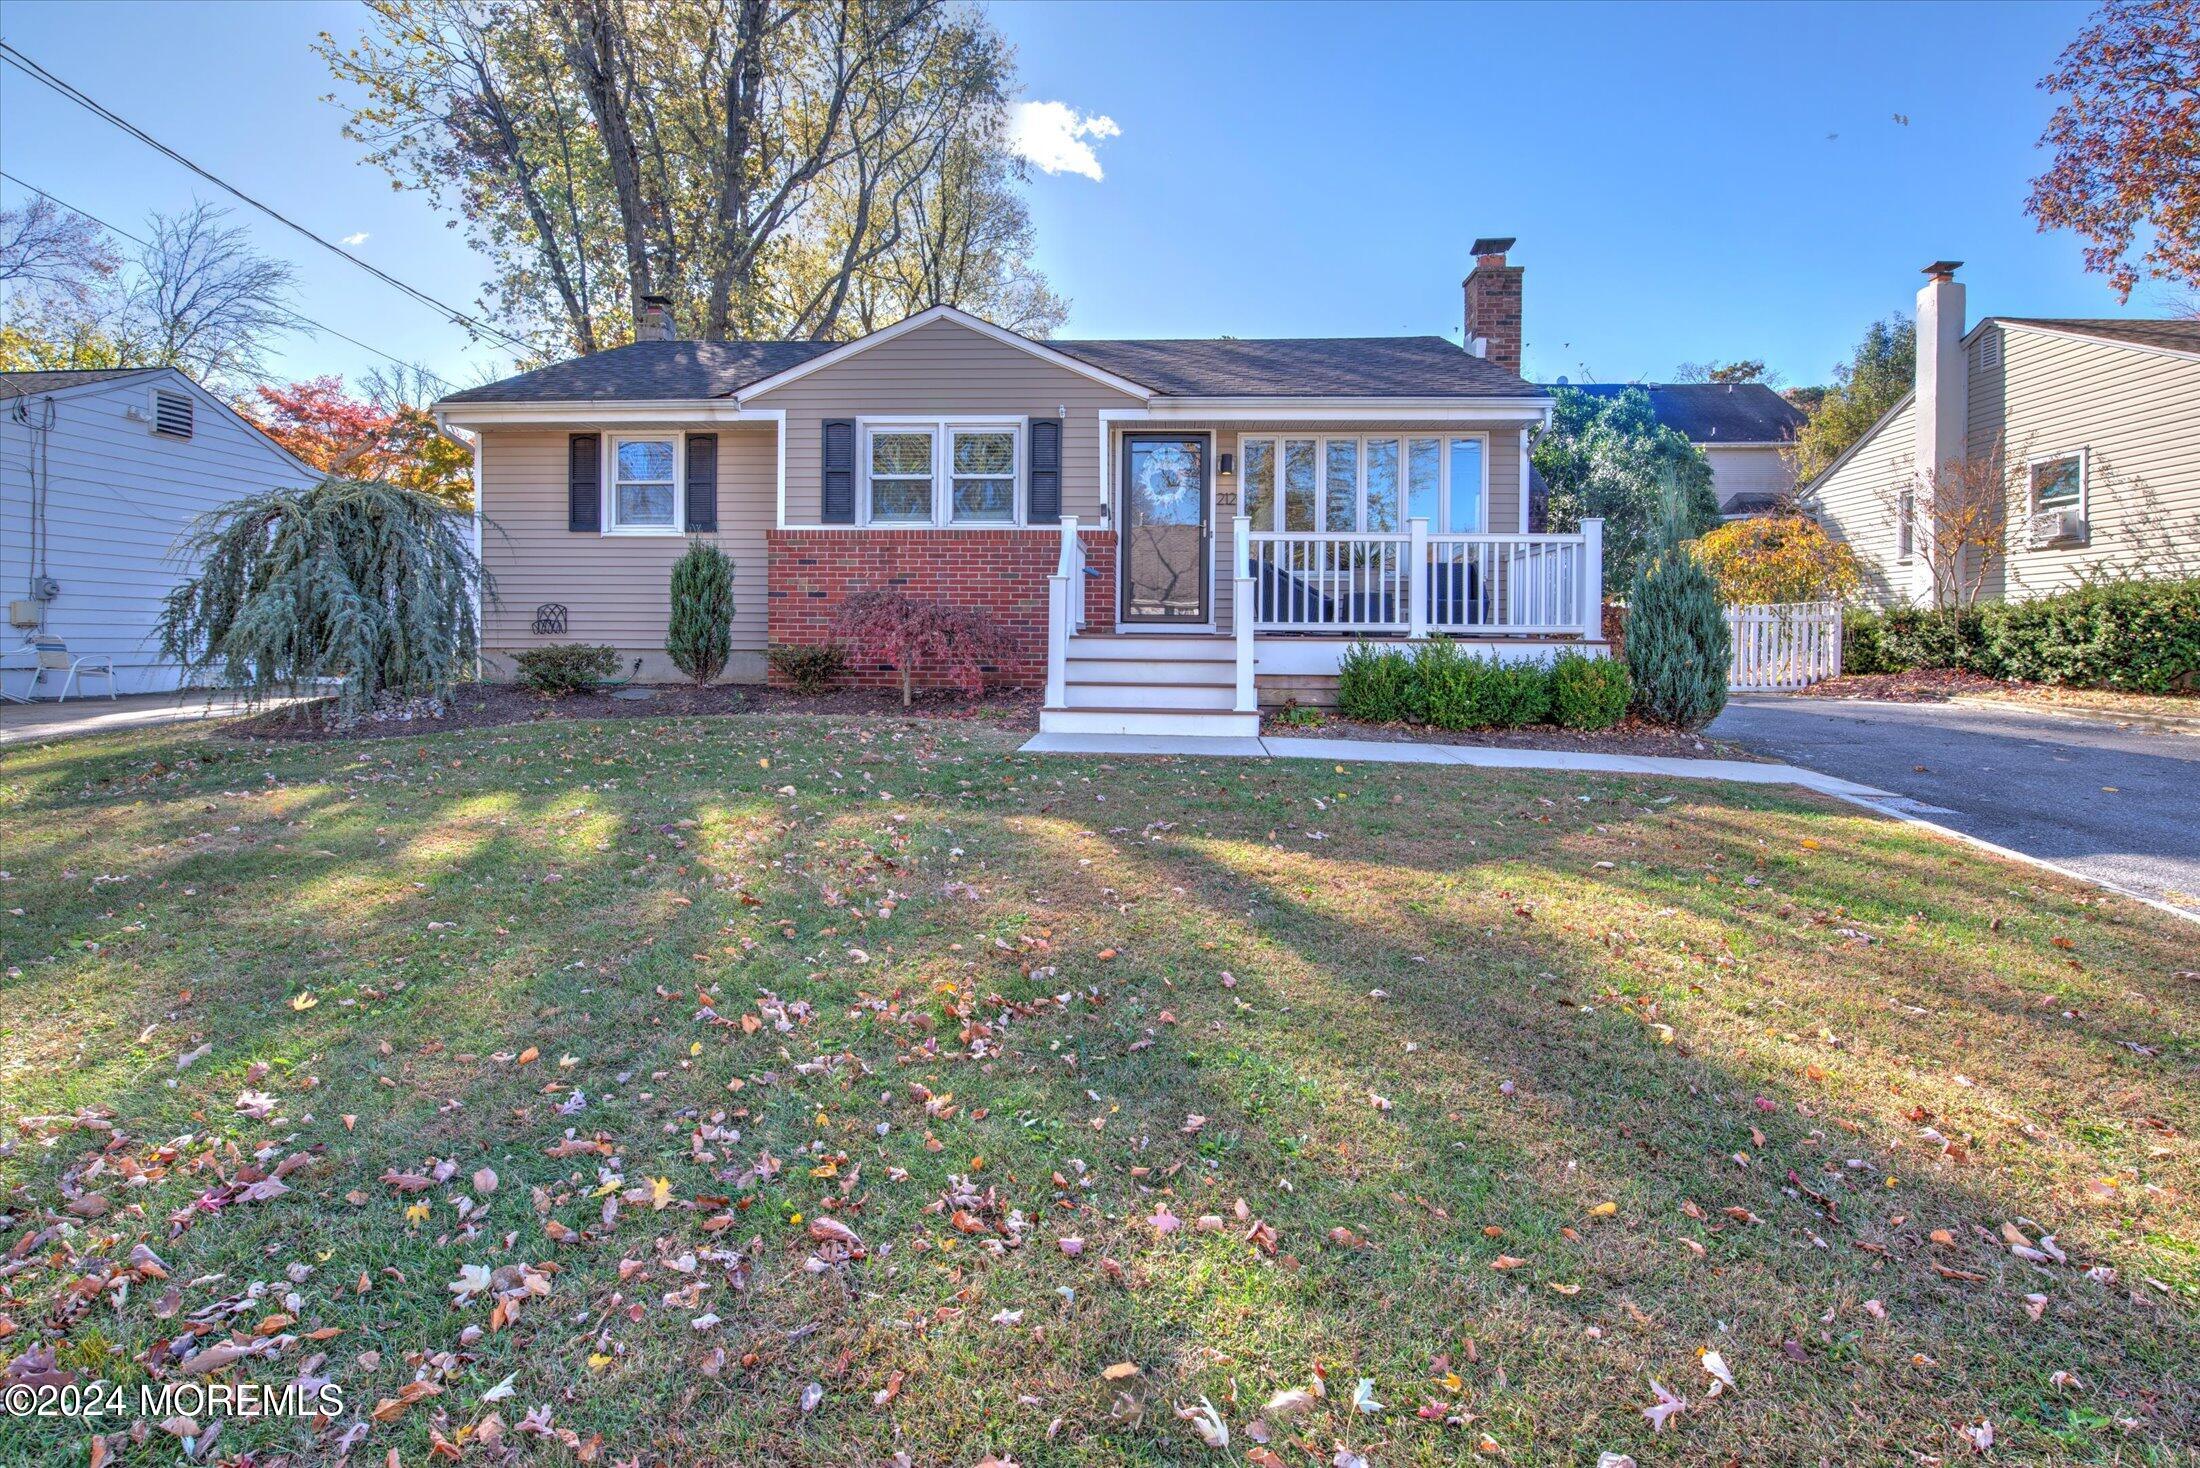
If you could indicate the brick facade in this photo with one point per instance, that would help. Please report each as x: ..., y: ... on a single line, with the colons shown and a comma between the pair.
x: 1493, y: 291
x: 1002, y: 571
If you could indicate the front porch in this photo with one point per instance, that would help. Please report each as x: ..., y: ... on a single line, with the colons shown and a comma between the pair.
x: 1299, y: 600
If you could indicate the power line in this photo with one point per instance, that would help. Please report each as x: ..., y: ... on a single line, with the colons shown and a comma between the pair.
x: 323, y: 327
x: 457, y: 317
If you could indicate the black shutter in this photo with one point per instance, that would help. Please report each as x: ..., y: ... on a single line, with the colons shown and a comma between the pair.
x: 584, y: 482
x: 702, y: 481
x: 1046, y: 471
x: 837, y: 502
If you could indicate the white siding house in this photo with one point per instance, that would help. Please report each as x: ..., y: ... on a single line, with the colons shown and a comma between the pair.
x: 2091, y: 425
x: 100, y: 473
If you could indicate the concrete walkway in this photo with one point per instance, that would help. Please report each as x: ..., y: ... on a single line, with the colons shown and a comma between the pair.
x: 42, y: 723
x: 1371, y: 751
x: 1901, y: 807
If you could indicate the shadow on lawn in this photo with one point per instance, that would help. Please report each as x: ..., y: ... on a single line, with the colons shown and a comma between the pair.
x: 1598, y: 1111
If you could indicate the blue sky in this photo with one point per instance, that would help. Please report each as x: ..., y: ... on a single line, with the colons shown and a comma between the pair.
x: 1686, y: 182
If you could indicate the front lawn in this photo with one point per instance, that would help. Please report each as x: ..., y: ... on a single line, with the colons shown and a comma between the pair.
x: 810, y: 1090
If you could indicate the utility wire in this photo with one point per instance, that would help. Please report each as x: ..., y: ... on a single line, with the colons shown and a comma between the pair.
x: 437, y: 378
x: 38, y: 73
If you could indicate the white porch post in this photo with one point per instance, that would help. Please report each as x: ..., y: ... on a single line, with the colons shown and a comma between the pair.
x: 1592, y: 580
x: 1058, y: 618
x: 1062, y: 614
x: 1417, y: 576
x: 1244, y: 610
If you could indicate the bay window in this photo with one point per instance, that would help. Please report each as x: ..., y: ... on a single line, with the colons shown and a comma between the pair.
x: 1365, y: 484
x: 940, y: 472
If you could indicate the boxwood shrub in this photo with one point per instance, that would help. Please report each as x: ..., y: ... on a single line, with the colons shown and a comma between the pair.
x: 1588, y: 693
x: 566, y: 667
x: 1510, y: 695
x: 1375, y: 683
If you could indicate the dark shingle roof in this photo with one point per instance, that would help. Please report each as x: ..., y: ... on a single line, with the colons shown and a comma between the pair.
x: 30, y: 384
x: 1304, y: 367
x: 649, y: 372
x: 1713, y: 412
x: 1369, y: 366
x: 2174, y: 334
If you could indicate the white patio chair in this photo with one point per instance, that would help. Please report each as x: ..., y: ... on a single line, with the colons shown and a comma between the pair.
x: 53, y: 657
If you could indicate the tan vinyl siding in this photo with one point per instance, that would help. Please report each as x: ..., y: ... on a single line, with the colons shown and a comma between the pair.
x: 1855, y: 502
x: 1747, y: 471
x: 614, y: 587
x: 943, y: 369
x: 2135, y: 413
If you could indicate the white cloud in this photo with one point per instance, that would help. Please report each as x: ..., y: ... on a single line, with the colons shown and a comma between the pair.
x: 356, y: 239
x: 1054, y: 136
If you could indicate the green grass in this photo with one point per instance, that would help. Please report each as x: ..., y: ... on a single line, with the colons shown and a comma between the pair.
x: 1572, y: 991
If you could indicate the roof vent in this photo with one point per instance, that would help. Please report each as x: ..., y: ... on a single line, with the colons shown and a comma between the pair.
x: 172, y: 413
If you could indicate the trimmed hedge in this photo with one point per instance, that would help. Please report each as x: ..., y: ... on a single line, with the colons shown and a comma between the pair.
x: 2137, y: 636
x: 1589, y: 693
x: 1440, y: 684
x: 1375, y: 682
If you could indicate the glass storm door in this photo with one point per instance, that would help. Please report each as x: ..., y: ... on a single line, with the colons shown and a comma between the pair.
x: 1166, y: 545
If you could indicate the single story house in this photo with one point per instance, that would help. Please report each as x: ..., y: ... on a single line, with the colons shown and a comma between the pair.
x: 1168, y: 528
x: 2086, y: 432
x: 101, y: 472
x: 1745, y: 430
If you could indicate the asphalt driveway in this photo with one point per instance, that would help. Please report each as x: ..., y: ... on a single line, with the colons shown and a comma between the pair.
x: 2120, y: 805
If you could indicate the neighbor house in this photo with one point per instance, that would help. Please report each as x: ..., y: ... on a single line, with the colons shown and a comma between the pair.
x: 1168, y: 528
x: 1745, y: 430
x: 2079, y: 438
x: 100, y: 473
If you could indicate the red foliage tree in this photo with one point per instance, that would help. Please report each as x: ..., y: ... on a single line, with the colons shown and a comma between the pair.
x: 358, y: 438
x: 907, y: 634
x: 2126, y: 139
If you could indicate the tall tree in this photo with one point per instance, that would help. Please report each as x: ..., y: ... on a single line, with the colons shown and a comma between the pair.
x: 771, y: 166
x: 1746, y: 369
x: 204, y: 300
x: 1883, y: 368
x: 1609, y: 458
x: 385, y: 436
x: 195, y: 295
x: 2126, y: 142
x: 47, y: 251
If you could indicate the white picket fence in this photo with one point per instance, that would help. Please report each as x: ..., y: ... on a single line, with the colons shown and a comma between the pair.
x: 1784, y: 645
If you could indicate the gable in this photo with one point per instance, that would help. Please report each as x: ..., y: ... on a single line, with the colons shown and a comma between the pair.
x: 948, y: 353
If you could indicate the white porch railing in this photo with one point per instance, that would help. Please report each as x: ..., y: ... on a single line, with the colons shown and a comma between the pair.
x: 1417, y: 584
x: 1784, y: 644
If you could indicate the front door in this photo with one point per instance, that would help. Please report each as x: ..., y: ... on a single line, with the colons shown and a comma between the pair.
x: 1166, y: 541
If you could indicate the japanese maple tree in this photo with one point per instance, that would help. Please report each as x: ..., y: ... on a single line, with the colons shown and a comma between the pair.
x: 908, y: 633
x: 361, y: 438
x: 2126, y: 140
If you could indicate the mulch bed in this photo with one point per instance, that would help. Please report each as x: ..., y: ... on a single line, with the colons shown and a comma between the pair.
x: 1629, y: 737
x: 484, y: 705
x: 1919, y: 685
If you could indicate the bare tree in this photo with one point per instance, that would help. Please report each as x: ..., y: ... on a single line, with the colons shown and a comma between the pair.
x: 204, y: 300
x: 51, y: 252
x: 1955, y: 520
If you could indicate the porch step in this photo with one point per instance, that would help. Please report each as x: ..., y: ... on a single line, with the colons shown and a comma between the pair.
x: 1213, y: 723
x: 1203, y: 672
x: 1158, y: 648
x: 1156, y: 695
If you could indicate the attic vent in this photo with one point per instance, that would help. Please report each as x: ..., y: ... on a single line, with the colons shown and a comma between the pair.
x: 171, y: 413
x: 1989, y: 351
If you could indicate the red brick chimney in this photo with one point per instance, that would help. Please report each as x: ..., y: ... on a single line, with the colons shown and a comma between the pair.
x: 1493, y: 305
